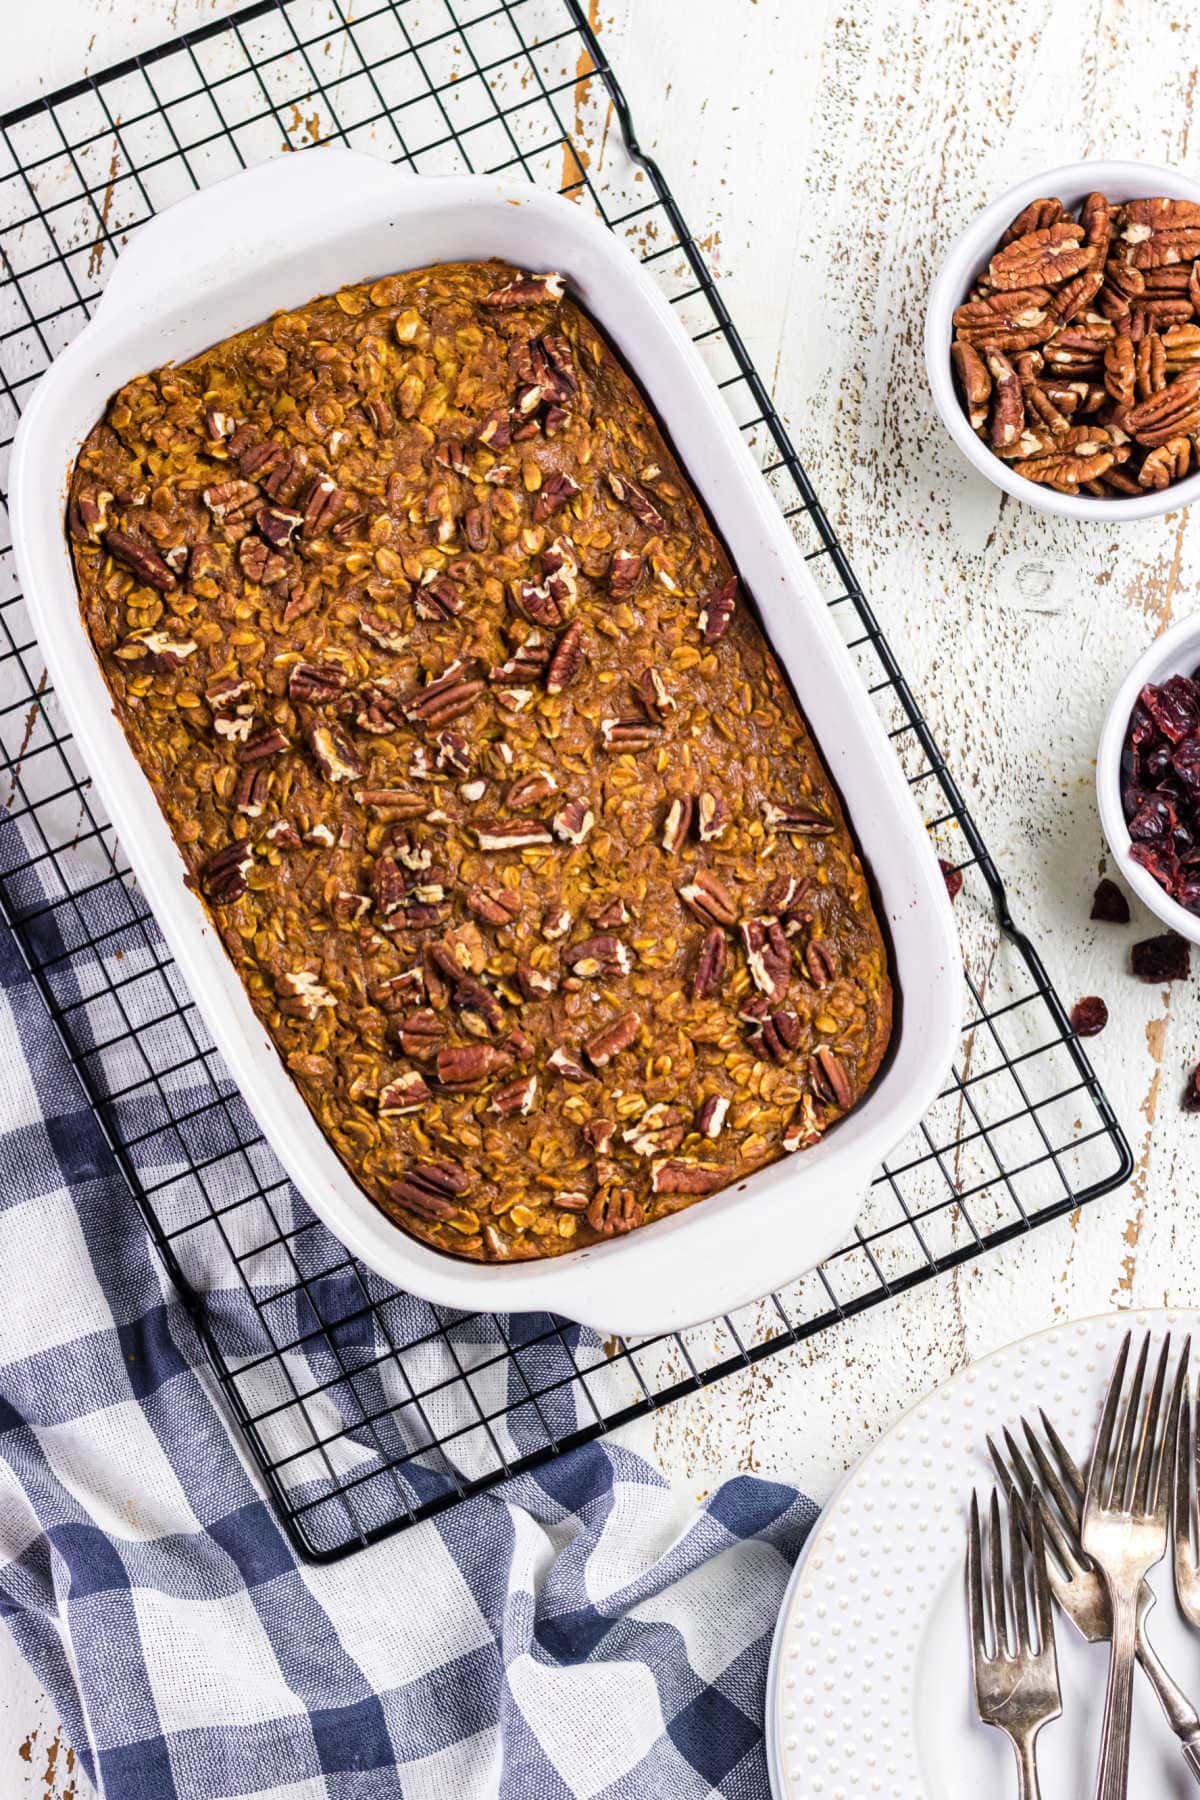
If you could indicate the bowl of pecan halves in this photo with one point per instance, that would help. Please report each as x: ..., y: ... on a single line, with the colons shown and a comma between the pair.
x: 1062, y: 341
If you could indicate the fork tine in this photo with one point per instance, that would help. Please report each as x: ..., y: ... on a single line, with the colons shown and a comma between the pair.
x: 1123, y: 1456
x: 1098, y: 1463
x: 1043, y: 1610
x: 1065, y: 1500
x: 975, y: 1604
x: 1072, y: 1473
x: 996, y: 1575
x: 1035, y: 1499
x: 1148, y: 1489
x: 1182, y: 1484
x: 1017, y: 1517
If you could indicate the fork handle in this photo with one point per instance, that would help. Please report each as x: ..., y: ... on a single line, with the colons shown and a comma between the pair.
x: 1180, y: 1714
x: 1028, y: 1787
x: 1112, y: 1778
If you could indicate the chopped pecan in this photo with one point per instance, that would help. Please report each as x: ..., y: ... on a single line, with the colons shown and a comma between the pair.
x: 389, y: 885
x: 710, y: 1117
x: 679, y: 1175
x: 391, y: 803
x: 567, y: 660
x: 447, y: 697
x: 717, y: 611
x: 322, y: 502
x: 260, y: 744
x: 314, y: 684
x: 223, y: 876
x: 573, y: 822
x: 494, y: 905
x: 624, y: 573
x: 408, y: 1093
x: 572, y: 1201
x: 611, y: 1039
x: 678, y: 823
x: 233, y: 505
x: 559, y: 491
x: 516, y: 1097
x: 599, y: 1134
x: 347, y: 907
x: 511, y: 834
x: 624, y: 735
x: 470, y: 1065
x: 382, y: 632
x: 535, y: 984
x: 551, y: 602
x: 301, y: 995
x: 430, y: 1189
x: 526, y: 664
x: 627, y: 493
x: 252, y: 792
x: 830, y: 1080
x: 477, y: 527
x: 602, y: 956
x: 776, y: 1028
x: 259, y: 562
x: 615, y: 1210
x: 479, y: 1011
x: 768, y: 955
x: 819, y: 962
x: 528, y: 290
x: 141, y: 559
x: 800, y: 819
x: 530, y: 790
x: 157, y: 650
x: 709, y: 899
x: 556, y: 922
x: 712, y: 817
x: 565, y: 1063
x: 437, y: 597
x: 804, y: 1127
x: 420, y: 1035
x: 277, y: 525
x: 332, y: 750
x: 710, y: 965
x: 660, y: 1129
x: 655, y: 696
x: 398, y: 990
x: 87, y: 515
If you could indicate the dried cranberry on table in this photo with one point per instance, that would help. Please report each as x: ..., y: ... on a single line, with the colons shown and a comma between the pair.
x: 1089, y: 1016
x: 1160, y: 786
x: 952, y: 877
x: 1162, y: 958
x: 1109, y: 904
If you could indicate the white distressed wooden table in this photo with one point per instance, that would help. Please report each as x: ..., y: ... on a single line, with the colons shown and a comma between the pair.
x: 825, y: 155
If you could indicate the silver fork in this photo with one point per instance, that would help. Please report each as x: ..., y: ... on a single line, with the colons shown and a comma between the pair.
x: 1184, y: 1510
x: 1125, y: 1534
x: 1055, y: 1494
x: 1016, y: 1682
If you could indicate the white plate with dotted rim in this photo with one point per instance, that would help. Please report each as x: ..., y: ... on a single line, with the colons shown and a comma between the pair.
x: 869, y: 1693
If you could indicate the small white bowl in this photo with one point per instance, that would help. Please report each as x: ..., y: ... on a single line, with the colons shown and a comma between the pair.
x: 1176, y: 652
x: 970, y: 253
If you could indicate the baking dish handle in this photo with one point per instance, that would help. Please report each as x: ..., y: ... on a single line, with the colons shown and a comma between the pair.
x: 230, y: 226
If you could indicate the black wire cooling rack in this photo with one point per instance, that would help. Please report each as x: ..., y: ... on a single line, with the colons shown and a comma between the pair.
x: 365, y: 1409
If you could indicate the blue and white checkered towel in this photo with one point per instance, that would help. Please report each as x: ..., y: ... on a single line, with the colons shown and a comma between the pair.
x: 580, y: 1634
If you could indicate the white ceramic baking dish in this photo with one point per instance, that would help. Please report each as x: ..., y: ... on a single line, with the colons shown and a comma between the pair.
x: 304, y: 225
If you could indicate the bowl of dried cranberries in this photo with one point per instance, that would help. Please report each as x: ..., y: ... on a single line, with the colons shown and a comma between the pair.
x: 1148, y: 778
x: 1062, y: 341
